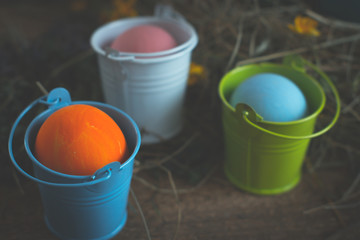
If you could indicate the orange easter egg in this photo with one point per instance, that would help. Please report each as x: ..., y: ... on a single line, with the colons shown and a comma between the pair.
x: 79, y: 139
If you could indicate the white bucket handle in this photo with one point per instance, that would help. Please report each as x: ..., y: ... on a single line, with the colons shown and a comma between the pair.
x: 167, y: 12
x: 93, y: 179
x: 163, y: 11
x: 116, y: 55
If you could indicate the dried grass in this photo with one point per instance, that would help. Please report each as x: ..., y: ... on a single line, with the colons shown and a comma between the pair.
x: 231, y: 33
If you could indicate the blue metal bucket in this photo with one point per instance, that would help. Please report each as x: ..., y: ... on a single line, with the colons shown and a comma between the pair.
x: 81, y: 207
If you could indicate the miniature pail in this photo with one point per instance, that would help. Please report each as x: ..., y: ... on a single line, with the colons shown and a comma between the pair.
x: 150, y: 87
x: 266, y: 157
x: 81, y: 207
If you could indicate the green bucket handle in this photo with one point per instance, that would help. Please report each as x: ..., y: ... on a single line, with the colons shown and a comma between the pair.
x: 246, y: 113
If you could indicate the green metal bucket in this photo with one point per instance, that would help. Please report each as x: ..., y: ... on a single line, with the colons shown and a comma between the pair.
x: 266, y: 157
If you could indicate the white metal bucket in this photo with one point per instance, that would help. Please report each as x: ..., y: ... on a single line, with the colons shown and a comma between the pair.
x: 150, y: 87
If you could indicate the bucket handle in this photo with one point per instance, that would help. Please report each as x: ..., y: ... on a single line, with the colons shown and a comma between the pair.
x: 246, y: 113
x: 168, y: 12
x: 92, y: 179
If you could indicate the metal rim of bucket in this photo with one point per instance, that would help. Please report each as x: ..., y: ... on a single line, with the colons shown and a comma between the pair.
x: 245, y: 114
x: 246, y: 67
x: 86, y: 180
x: 183, y: 48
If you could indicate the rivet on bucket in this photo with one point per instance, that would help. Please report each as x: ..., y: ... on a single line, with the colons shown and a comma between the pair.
x: 266, y: 157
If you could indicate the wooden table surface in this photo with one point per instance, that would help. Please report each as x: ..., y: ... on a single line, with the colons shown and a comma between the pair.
x: 215, y: 210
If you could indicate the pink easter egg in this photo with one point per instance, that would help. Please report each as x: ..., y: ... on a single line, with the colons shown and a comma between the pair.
x: 144, y: 39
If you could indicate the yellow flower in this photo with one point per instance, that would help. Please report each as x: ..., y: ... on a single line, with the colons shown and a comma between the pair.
x: 305, y: 26
x: 78, y: 5
x: 197, y: 72
x: 122, y: 8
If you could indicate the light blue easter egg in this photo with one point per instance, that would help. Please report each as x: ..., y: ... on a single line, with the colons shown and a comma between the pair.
x: 272, y: 96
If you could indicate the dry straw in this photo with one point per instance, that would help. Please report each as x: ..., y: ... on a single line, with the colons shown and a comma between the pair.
x: 234, y: 33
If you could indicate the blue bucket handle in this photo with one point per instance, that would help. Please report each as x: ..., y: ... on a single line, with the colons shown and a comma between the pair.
x: 57, y: 98
x: 297, y: 61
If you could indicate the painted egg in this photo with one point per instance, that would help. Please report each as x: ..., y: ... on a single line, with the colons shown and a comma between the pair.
x: 79, y: 139
x: 144, y: 39
x: 272, y: 96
